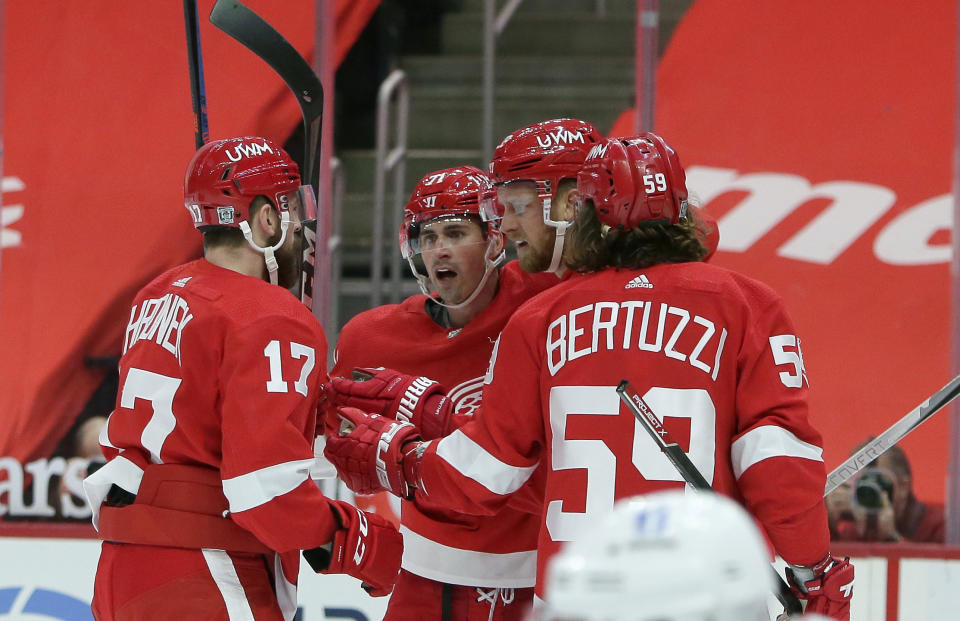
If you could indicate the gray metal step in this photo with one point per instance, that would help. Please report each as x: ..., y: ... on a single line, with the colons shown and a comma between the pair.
x: 359, y: 165
x: 618, y: 7
x: 553, y: 34
x: 456, y: 123
x: 512, y: 70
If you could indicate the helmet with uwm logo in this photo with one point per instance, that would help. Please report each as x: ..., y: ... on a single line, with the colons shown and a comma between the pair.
x: 545, y: 153
x: 451, y: 193
x: 666, y: 555
x: 223, y: 178
x: 632, y: 181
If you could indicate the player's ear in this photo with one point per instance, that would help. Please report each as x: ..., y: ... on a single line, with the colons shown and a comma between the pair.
x: 566, y: 207
x: 267, y: 219
x: 498, y: 244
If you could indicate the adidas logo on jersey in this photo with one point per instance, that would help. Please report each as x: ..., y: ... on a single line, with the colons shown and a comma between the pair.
x: 640, y: 282
x: 182, y: 282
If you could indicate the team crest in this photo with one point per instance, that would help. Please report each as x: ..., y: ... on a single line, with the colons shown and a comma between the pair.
x: 466, y: 396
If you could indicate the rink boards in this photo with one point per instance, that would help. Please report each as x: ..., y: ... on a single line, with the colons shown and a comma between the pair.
x: 48, y: 578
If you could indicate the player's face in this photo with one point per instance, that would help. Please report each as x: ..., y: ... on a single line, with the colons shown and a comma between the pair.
x: 453, y: 252
x: 523, y: 225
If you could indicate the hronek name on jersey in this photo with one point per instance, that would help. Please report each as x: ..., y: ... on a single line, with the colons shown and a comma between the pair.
x: 590, y: 328
x: 160, y: 320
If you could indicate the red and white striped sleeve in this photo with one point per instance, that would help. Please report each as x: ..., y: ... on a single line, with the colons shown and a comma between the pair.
x: 777, y: 454
x: 476, y: 468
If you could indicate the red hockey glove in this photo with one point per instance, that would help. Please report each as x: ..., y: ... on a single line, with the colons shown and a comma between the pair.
x: 827, y: 587
x: 368, y: 451
x: 407, y: 398
x: 366, y: 546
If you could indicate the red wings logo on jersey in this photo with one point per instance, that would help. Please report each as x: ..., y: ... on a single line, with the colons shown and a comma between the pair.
x: 466, y: 396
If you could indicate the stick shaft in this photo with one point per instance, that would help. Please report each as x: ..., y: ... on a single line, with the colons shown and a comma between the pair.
x: 689, y: 471
x: 198, y: 96
x: 896, y: 432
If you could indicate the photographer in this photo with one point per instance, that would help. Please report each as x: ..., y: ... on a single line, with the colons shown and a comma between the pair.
x: 879, y: 505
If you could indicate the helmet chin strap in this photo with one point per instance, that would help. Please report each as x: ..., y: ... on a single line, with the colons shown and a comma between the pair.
x: 489, y: 265
x: 561, y: 227
x: 268, y: 252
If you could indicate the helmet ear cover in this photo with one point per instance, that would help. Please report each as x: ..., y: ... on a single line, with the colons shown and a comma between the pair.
x: 634, y: 182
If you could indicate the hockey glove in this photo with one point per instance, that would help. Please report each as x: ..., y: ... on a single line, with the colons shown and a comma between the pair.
x: 368, y: 451
x: 827, y: 587
x: 407, y: 398
x: 367, y: 547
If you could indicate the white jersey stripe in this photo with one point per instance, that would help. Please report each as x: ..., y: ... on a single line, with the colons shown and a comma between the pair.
x: 435, y: 561
x: 225, y: 576
x: 769, y: 441
x: 286, y: 592
x: 473, y: 461
x: 261, y: 486
x: 118, y: 471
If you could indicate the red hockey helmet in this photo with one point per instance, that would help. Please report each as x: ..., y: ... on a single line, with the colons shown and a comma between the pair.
x: 446, y: 193
x: 545, y: 153
x: 225, y: 176
x: 633, y: 181
x: 451, y: 193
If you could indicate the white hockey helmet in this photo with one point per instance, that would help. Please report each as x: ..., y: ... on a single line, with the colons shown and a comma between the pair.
x: 668, y: 556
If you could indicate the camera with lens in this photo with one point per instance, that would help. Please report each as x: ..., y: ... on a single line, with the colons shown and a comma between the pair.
x: 871, y: 486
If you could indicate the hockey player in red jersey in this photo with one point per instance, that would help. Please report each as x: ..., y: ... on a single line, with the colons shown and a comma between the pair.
x: 455, y: 566
x: 206, y: 501
x: 713, y: 352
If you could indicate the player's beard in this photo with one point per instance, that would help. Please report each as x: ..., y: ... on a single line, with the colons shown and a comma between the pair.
x: 538, y: 255
x: 288, y: 264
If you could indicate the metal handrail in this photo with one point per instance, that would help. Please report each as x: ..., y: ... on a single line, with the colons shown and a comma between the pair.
x: 393, y: 161
x: 338, y: 182
x: 646, y: 60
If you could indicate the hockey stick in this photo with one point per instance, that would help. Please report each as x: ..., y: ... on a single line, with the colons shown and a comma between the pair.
x: 896, y: 432
x: 262, y: 39
x: 689, y: 472
x: 198, y: 95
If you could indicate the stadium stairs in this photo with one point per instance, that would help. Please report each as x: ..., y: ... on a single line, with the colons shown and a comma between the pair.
x: 554, y: 58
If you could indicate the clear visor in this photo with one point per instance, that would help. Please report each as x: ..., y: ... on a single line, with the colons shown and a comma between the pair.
x: 446, y: 232
x: 520, y: 201
x: 300, y: 203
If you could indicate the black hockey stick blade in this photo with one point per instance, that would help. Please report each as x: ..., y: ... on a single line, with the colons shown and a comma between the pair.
x: 896, y: 432
x: 689, y: 472
x: 262, y: 39
x: 198, y: 93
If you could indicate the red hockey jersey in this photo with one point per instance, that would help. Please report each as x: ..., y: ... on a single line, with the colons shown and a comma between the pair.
x: 224, y: 370
x: 437, y: 544
x: 712, y: 352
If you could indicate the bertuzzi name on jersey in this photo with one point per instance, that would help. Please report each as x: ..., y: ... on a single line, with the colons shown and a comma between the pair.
x: 591, y: 328
x: 160, y: 320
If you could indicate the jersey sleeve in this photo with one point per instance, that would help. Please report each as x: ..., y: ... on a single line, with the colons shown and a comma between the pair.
x: 271, y: 376
x: 776, y: 453
x: 480, y: 465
